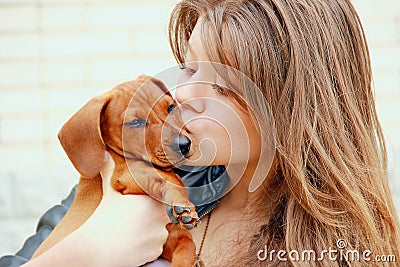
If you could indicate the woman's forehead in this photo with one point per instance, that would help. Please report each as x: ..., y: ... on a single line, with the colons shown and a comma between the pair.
x: 195, y: 49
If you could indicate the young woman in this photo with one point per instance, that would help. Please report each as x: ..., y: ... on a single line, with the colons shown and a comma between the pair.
x: 324, y: 198
x: 328, y: 185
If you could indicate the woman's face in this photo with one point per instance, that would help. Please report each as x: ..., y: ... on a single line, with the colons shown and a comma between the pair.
x: 222, y: 131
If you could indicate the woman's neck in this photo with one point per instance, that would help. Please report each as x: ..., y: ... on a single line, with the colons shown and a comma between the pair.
x: 239, y: 195
x: 236, y: 219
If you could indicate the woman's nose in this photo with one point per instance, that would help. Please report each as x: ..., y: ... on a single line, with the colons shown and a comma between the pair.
x: 190, y: 96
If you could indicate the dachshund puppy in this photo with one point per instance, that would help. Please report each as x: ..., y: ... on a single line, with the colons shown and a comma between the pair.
x: 137, y: 124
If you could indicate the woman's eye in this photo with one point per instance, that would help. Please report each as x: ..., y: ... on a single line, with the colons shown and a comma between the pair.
x: 220, y: 90
x: 136, y: 123
x: 188, y: 71
x: 171, y: 108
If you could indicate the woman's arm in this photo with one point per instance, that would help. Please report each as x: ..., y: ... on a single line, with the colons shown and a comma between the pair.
x: 128, y: 230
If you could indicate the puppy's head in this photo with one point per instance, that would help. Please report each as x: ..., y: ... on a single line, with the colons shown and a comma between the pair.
x: 146, y: 124
x: 136, y: 119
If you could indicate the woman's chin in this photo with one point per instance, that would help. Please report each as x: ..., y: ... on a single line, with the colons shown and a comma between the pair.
x: 200, y: 159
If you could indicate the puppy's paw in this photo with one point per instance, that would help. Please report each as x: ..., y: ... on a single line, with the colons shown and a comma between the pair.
x: 185, y: 216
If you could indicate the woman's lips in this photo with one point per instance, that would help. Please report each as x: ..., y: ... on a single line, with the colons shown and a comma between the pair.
x: 186, y: 118
x: 189, y: 126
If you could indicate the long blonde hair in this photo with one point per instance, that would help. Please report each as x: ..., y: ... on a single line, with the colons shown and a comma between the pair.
x: 310, y: 59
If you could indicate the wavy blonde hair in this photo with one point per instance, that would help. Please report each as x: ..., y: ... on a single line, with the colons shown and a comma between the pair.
x: 311, y: 61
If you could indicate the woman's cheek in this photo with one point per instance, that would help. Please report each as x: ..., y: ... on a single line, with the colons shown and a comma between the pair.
x: 204, y: 127
x: 212, y: 141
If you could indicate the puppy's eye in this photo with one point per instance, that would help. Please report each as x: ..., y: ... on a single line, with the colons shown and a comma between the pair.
x: 136, y: 123
x: 171, y: 108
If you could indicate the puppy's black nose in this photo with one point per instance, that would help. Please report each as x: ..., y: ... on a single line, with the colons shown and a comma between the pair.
x: 181, y: 144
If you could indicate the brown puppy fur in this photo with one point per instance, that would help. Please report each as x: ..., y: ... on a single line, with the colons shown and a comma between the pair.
x: 105, y: 124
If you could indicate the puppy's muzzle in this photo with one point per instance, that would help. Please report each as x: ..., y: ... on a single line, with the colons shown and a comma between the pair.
x: 181, y: 145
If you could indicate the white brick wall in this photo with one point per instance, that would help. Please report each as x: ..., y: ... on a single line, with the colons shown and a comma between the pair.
x: 57, y: 54
x: 381, y: 21
x: 54, y: 56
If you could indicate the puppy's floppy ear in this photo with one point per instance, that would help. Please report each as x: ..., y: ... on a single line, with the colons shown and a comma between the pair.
x: 161, y: 85
x: 81, y: 137
x: 156, y: 81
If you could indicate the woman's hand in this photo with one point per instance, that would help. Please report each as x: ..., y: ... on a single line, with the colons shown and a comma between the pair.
x: 128, y: 229
x: 124, y: 230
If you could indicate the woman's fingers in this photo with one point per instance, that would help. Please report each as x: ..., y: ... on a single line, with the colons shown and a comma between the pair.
x: 106, y: 173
